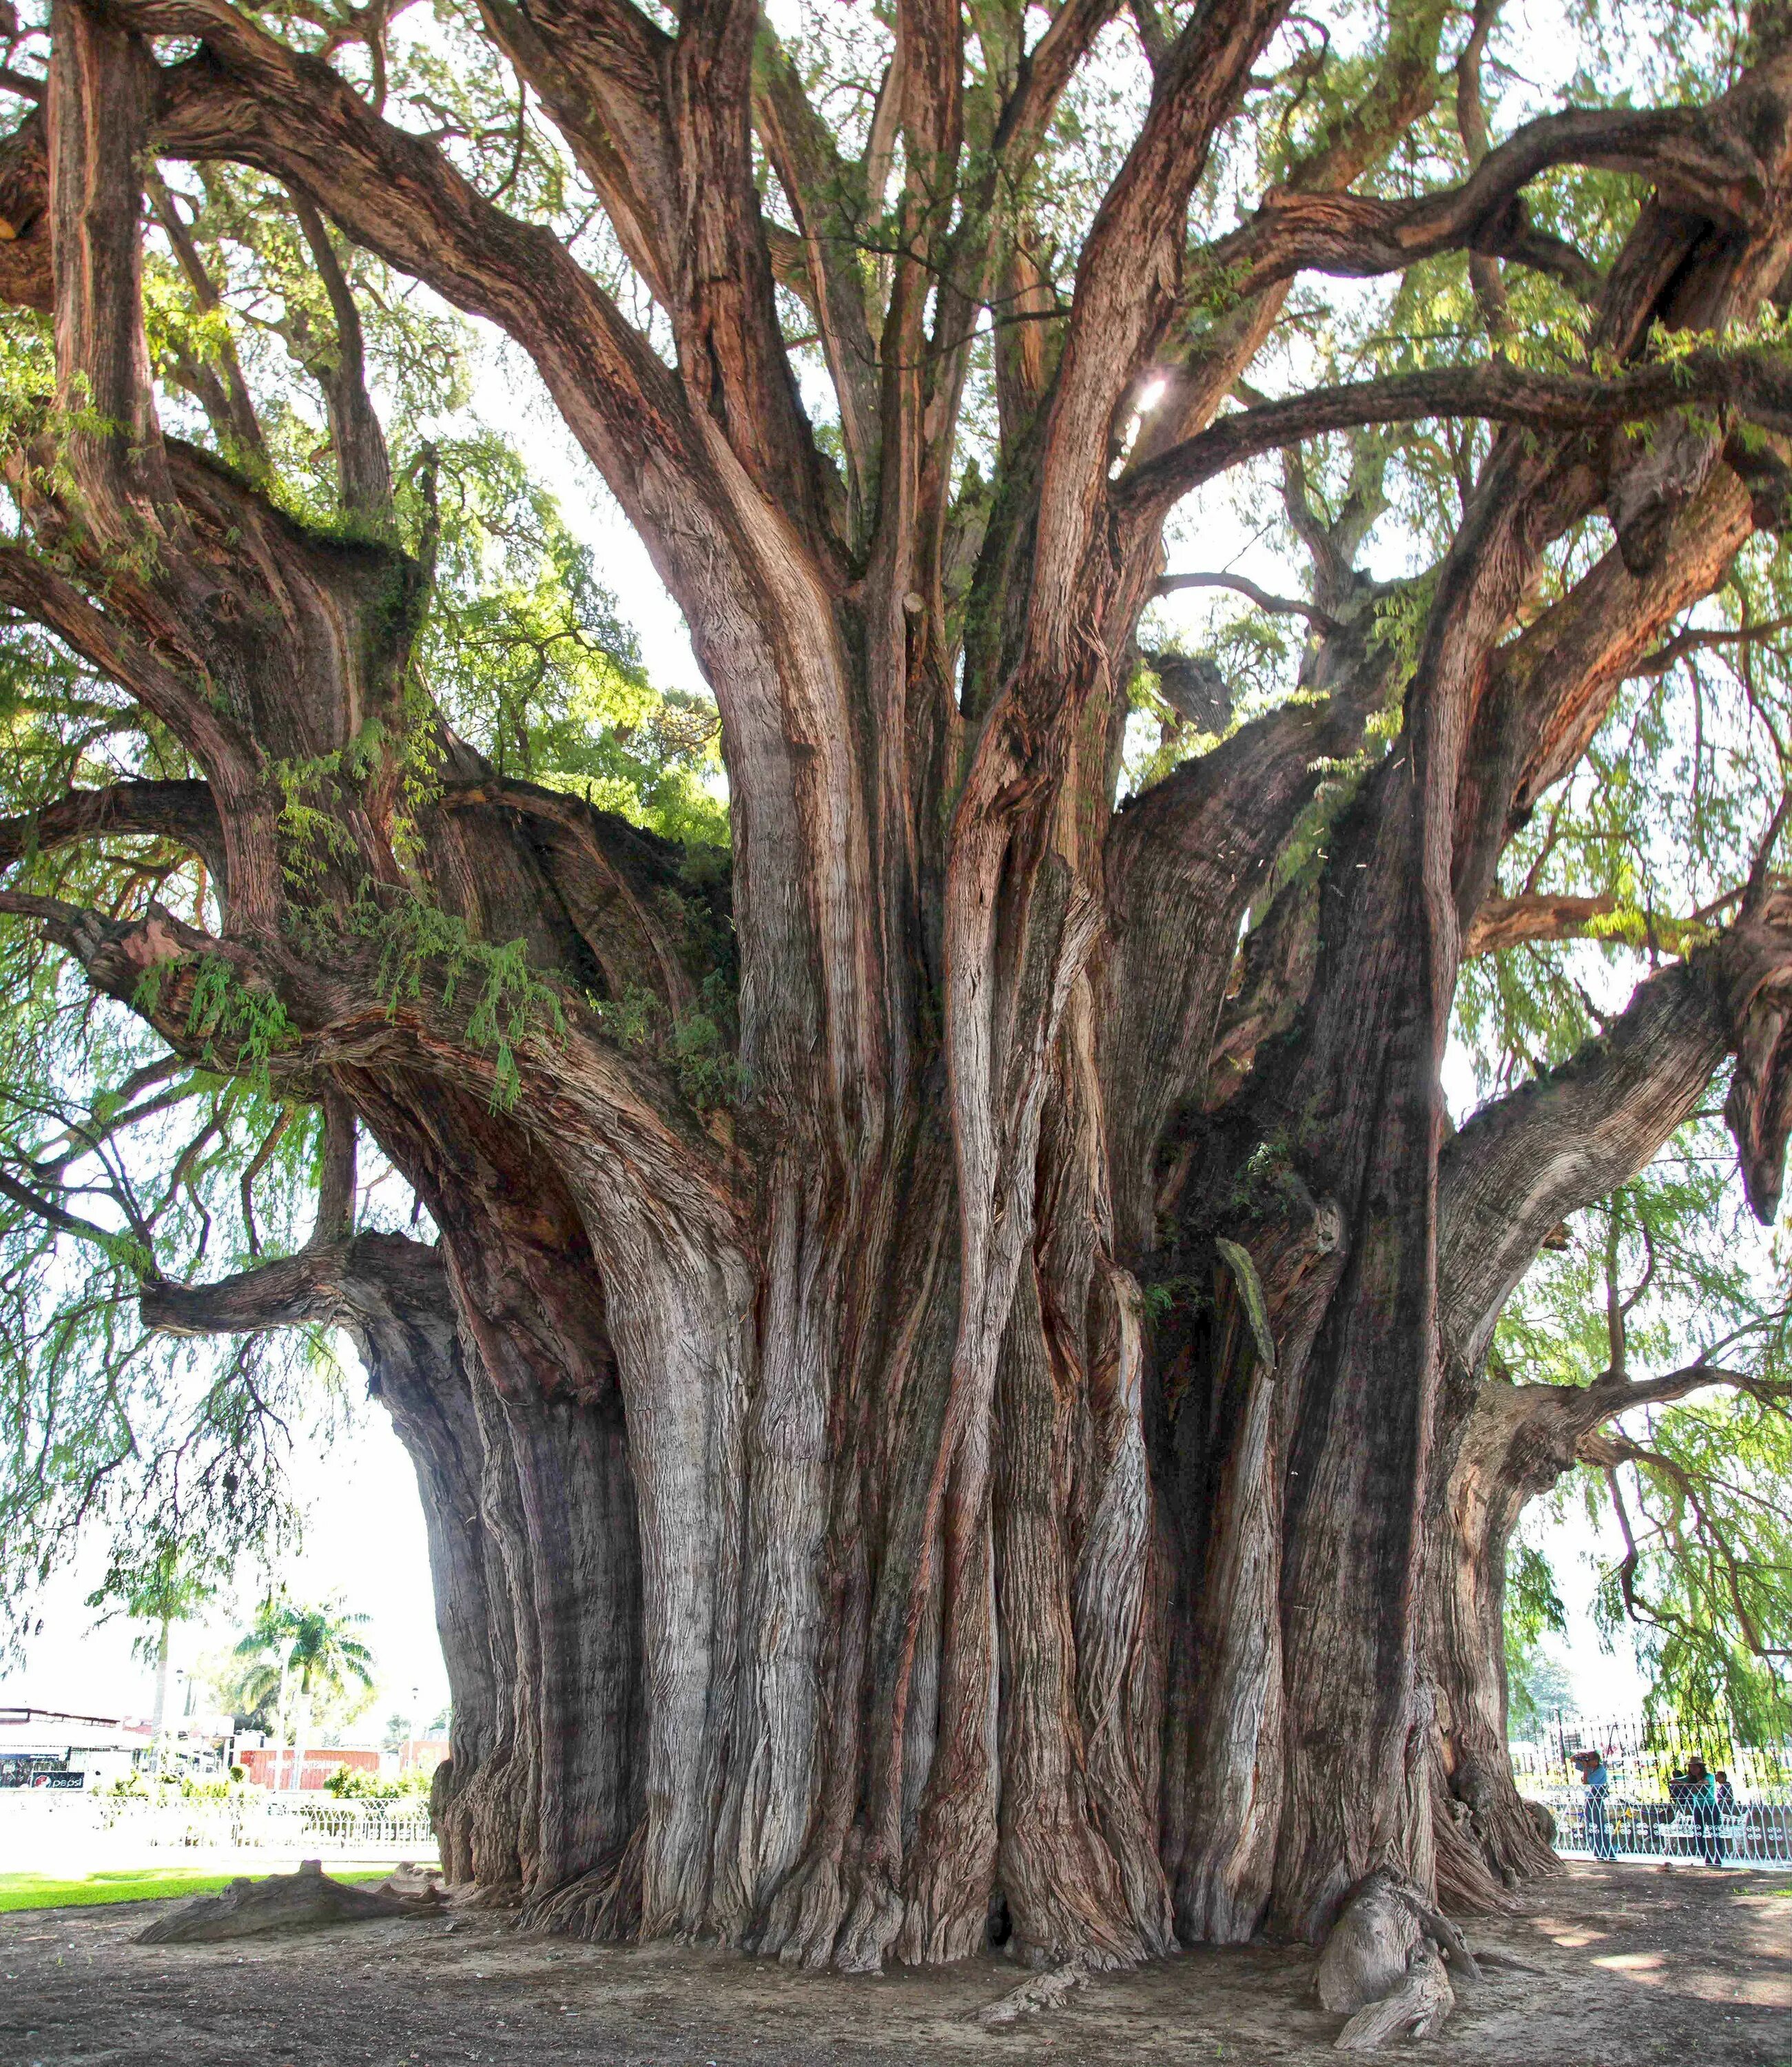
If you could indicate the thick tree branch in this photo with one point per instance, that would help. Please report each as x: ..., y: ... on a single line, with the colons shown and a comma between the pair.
x: 265, y: 1012
x: 364, y: 471
x: 1278, y: 606
x: 599, y: 70
x: 180, y: 811
x: 1519, y: 1166
x: 1127, y: 284
x: 1552, y: 686
x: 1534, y: 918
x: 249, y: 98
x: 827, y: 197
x: 102, y: 84
x: 223, y: 392
x: 624, y: 889
x: 213, y: 740
x: 1753, y: 383
x: 336, y: 1284
x: 1182, y: 862
x: 1696, y: 162
x: 725, y: 314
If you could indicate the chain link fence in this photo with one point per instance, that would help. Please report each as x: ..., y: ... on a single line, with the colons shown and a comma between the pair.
x: 1643, y: 1812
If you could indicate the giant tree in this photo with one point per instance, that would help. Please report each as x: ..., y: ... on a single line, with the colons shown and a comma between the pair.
x: 951, y: 1331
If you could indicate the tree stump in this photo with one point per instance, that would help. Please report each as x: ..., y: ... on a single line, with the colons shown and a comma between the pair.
x: 303, y: 1901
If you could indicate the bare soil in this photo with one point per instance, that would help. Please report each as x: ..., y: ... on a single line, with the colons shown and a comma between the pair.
x: 1631, y: 1965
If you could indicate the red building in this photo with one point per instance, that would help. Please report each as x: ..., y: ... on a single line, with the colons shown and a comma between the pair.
x: 266, y: 1766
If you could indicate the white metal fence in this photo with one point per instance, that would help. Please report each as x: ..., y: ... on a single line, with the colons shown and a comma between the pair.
x: 32, y: 1822
x: 1643, y: 1812
x: 1620, y: 1827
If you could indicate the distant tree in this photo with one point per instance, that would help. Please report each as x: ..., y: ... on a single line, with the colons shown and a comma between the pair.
x: 311, y: 1649
x: 1537, y: 1683
x: 167, y: 1582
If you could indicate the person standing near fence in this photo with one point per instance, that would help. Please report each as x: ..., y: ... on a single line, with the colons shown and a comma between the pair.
x: 1701, y: 1799
x: 1598, y: 1783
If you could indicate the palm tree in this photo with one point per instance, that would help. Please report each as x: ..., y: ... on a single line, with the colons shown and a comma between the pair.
x: 170, y: 1579
x: 314, y: 1646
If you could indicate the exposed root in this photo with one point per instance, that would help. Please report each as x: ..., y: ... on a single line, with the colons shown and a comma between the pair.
x: 603, y: 1905
x: 1510, y: 1963
x: 872, y: 1926
x: 803, y: 1918
x: 1039, y: 1991
x: 840, y: 1909
x: 1384, y: 1963
x: 1420, y: 2005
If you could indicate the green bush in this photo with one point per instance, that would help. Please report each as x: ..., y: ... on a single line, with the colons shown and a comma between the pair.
x: 349, y: 1783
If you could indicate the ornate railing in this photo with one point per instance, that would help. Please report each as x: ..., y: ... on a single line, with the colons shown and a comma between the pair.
x: 1643, y: 1813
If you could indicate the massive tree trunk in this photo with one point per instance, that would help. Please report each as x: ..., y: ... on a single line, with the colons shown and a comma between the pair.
x: 1017, y: 1466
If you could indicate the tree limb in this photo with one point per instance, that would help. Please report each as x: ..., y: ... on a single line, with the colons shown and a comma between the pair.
x: 1521, y: 1165
x: 330, y: 1285
x: 1700, y: 164
x: 1538, y: 916
x: 1127, y: 284
x: 363, y: 470
x: 825, y: 194
x: 226, y: 400
x: 1754, y: 383
x: 213, y: 740
x: 181, y: 811
x: 1278, y: 606
x: 601, y: 76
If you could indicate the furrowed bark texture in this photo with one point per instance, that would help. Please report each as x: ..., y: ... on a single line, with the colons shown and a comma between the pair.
x: 1014, y: 1463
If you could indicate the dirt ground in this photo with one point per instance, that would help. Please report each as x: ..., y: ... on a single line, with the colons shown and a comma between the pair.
x: 1622, y: 1966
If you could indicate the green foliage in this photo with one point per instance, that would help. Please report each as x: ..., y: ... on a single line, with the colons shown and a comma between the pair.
x: 1536, y: 1683
x: 311, y: 1648
x: 349, y: 1783
x: 1695, y: 1505
x: 158, y: 1580
x: 412, y: 940
x: 698, y: 1045
x: 1708, y: 1573
x: 528, y: 658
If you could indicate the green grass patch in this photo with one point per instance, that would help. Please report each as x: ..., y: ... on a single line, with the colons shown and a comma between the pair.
x: 25, y: 1891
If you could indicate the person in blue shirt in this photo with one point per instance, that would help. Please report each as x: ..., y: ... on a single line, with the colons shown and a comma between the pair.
x: 1598, y: 1783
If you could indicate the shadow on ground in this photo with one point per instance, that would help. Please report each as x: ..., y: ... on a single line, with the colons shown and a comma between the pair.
x: 1634, y: 1966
